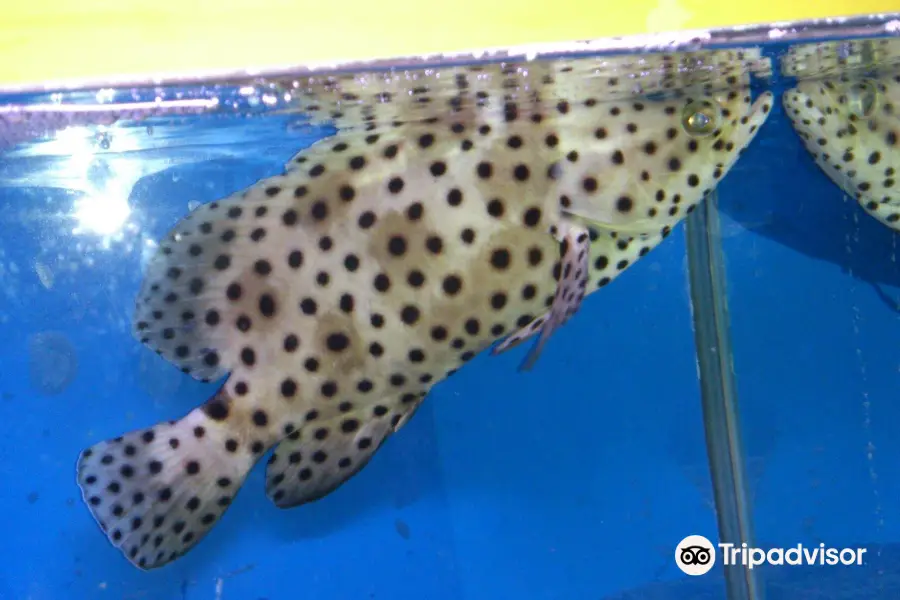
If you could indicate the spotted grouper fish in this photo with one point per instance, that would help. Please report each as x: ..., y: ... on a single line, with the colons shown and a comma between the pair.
x: 851, y: 127
x: 335, y: 295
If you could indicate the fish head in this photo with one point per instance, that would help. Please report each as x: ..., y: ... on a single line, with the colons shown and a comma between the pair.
x: 645, y: 164
x: 851, y: 127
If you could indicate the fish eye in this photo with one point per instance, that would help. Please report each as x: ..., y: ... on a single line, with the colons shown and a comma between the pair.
x: 862, y: 99
x: 699, y: 118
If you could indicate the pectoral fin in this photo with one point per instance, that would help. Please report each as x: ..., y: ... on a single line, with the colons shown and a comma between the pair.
x: 570, y: 289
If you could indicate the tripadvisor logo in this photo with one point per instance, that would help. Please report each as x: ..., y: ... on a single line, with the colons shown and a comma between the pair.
x: 696, y: 555
x: 795, y: 555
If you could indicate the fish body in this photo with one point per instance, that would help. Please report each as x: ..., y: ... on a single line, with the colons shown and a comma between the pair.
x: 851, y: 127
x: 335, y: 295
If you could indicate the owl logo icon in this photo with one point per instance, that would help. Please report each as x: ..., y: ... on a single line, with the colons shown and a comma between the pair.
x: 695, y: 555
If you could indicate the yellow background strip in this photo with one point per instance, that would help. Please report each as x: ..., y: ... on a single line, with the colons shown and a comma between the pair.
x: 43, y: 40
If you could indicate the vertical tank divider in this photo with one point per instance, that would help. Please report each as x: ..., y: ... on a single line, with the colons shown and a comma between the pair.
x: 709, y: 306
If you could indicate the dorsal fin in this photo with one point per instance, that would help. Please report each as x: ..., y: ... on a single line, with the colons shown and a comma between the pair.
x: 185, y: 310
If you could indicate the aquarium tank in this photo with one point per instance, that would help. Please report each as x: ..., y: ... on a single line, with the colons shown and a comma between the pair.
x: 607, y: 320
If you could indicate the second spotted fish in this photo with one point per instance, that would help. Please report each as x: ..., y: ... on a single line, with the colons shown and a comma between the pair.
x: 851, y: 127
x: 335, y: 295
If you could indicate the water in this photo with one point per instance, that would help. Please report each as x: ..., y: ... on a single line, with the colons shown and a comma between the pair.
x: 575, y: 480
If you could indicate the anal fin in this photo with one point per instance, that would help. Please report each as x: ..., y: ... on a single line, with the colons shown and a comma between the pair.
x: 317, y: 459
x: 570, y: 290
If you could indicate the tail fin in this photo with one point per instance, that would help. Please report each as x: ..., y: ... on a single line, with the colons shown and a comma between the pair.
x: 156, y: 492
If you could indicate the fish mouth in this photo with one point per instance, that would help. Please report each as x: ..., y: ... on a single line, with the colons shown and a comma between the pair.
x: 800, y: 108
x: 757, y: 116
x: 764, y: 98
x: 804, y: 114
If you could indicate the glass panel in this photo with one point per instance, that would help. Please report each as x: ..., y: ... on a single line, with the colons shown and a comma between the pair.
x: 811, y: 296
x: 338, y: 244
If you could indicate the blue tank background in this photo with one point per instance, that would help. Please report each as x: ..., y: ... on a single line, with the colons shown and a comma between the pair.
x: 576, y: 480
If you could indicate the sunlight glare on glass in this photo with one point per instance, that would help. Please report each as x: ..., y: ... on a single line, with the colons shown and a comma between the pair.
x: 103, y: 210
x: 101, y: 213
x: 74, y: 141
